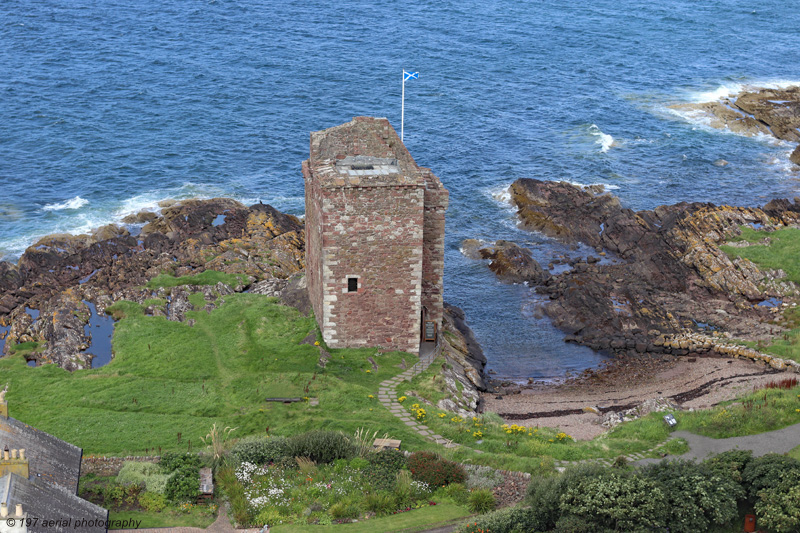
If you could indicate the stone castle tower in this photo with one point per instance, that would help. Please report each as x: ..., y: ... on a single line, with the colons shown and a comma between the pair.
x: 374, y: 238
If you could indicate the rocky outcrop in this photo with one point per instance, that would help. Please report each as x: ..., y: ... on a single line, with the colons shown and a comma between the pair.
x: 670, y: 274
x: 462, y: 373
x: 795, y: 156
x: 755, y: 110
x: 514, y: 264
x: 113, y: 263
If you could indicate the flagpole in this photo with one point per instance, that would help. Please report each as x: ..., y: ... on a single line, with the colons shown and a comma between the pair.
x: 403, y: 107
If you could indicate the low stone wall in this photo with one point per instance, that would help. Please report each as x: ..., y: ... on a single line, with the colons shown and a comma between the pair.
x: 110, y: 466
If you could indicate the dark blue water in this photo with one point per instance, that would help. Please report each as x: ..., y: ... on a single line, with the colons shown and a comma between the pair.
x: 108, y: 107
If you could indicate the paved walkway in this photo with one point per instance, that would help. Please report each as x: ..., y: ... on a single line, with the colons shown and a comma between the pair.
x: 387, y: 394
x: 778, y: 441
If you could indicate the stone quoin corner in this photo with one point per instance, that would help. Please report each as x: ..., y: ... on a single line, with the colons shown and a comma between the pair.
x: 375, y: 224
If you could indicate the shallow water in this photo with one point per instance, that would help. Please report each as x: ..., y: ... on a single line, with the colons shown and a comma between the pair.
x: 109, y: 108
x: 101, y: 329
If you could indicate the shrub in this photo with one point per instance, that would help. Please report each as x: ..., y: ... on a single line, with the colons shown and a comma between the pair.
x: 268, y: 516
x: 456, y: 492
x: 260, y: 450
x: 778, y: 508
x: 575, y: 524
x: 152, y: 502
x: 765, y: 472
x: 730, y: 464
x: 697, y: 497
x: 618, y: 502
x: 184, y: 484
x: 544, y: 493
x: 403, y: 492
x: 358, y: 463
x: 148, y: 475
x: 481, y: 501
x: 514, y: 520
x: 173, y: 461
x: 383, y: 468
x: 482, y: 477
x: 381, y: 503
x: 322, y: 446
x: 345, y: 509
x: 434, y: 470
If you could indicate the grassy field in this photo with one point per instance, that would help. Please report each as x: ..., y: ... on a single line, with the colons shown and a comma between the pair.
x: 169, y: 382
x: 164, y: 519
x: 416, y: 520
x: 782, y: 252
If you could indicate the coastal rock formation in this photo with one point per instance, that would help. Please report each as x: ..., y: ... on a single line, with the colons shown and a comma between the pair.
x: 56, y: 275
x: 669, y: 274
x: 755, y: 110
x: 463, y: 373
x: 513, y: 263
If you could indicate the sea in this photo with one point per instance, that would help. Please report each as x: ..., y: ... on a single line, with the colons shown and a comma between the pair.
x: 108, y: 107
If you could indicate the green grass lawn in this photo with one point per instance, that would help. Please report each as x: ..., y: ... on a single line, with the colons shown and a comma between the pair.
x: 169, y: 382
x: 167, y: 519
x: 782, y: 252
x: 416, y: 520
x: 795, y: 452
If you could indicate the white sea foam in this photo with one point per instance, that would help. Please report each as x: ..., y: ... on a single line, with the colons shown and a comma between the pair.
x: 728, y: 89
x: 607, y: 186
x: 605, y: 140
x: 72, y: 203
x: 501, y: 194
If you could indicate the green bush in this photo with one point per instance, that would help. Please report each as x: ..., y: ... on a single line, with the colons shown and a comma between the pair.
x: 259, y: 450
x: 434, y: 470
x: 269, y: 516
x: 575, y: 524
x: 358, y: 463
x: 513, y: 520
x: 148, y: 475
x: 184, y: 484
x: 616, y: 501
x: 345, y: 509
x: 778, y: 507
x: 383, y: 468
x: 544, y: 493
x: 765, y: 472
x: 152, y: 502
x: 481, y: 501
x: 381, y: 503
x: 322, y: 446
x: 173, y: 461
x: 456, y: 492
x: 403, y: 491
x: 697, y: 498
x: 730, y: 464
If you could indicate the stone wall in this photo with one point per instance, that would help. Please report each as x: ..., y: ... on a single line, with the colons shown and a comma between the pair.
x: 110, y: 466
x: 436, y: 200
x: 374, y: 234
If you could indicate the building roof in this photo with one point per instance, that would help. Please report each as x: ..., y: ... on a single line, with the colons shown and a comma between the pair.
x: 50, y: 459
x: 46, y: 501
x: 365, y: 152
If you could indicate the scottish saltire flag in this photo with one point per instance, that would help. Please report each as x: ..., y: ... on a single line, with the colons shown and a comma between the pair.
x: 410, y: 75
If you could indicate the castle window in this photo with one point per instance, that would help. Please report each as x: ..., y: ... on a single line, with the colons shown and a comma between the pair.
x: 352, y: 284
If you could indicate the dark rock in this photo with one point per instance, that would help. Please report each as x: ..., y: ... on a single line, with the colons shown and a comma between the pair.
x: 514, y: 264
x: 795, y: 157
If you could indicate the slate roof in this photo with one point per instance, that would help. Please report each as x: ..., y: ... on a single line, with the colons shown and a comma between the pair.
x: 46, y: 501
x: 49, y: 459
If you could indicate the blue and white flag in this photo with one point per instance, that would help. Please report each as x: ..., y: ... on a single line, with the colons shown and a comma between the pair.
x: 410, y: 75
